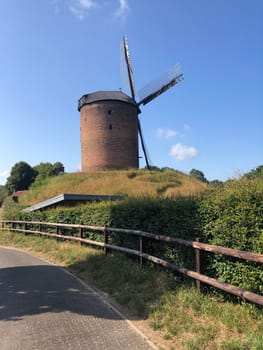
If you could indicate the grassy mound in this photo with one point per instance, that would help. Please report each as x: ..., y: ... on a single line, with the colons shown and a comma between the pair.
x: 134, y: 183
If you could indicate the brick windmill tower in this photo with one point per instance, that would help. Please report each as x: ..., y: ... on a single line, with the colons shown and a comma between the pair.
x: 109, y: 123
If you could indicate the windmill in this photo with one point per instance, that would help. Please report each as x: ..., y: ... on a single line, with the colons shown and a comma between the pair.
x: 110, y: 128
x: 152, y: 90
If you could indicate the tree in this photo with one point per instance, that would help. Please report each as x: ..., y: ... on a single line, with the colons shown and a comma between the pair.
x: 45, y: 170
x: 198, y: 174
x: 21, y: 177
x: 216, y: 183
x: 58, y: 169
x: 255, y: 173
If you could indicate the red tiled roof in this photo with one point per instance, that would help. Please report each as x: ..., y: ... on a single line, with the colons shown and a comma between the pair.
x: 19, y: 194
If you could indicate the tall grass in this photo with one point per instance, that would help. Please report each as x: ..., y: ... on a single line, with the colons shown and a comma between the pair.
x: 133, y: 183
x: 185, y: 319
x: 207, y: 322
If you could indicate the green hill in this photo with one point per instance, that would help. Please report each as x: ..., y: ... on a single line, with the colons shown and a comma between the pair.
x: 134, y: 183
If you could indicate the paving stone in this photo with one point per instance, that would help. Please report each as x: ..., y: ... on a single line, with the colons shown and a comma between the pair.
x: 42, y: 307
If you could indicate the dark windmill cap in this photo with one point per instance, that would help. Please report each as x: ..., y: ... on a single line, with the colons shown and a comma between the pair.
x: 105, y: 96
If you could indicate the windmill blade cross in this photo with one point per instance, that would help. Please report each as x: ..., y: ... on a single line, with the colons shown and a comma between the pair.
x: 158, y: 86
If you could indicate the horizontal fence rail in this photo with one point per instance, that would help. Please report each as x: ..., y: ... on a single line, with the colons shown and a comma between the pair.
x: 22, y: 226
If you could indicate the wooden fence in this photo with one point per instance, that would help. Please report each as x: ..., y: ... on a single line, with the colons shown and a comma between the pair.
x: 36, y: 228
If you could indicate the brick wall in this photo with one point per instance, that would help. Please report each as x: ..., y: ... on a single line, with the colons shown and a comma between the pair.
x: 109, y: 136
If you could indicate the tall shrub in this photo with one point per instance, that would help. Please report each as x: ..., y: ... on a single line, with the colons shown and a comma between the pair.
x: 232, y: 216
x: 168, y: 217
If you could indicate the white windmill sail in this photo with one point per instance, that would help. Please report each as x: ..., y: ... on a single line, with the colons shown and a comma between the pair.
x: 127, y: 75
x: 158, y: 86
x: 126, y: 68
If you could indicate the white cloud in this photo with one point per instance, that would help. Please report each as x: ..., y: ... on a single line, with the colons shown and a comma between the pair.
x: 123, y: 9
x: 181, y: 152
x: 166, y: 133
x: 87, y: 4
x: 79, y: 8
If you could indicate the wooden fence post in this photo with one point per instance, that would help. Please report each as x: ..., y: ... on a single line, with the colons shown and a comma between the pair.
x: 25, y: 228
x: 57, y: 233
x: 141, y: 248
x: 197, y: 265
x: 81, y: 235
x: 105, y: 239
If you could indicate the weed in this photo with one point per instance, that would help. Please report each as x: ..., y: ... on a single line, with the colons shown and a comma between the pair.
x: 234, y: 344
x: 156, y: 324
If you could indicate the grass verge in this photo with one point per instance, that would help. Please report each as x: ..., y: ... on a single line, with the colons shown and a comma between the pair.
x: 184, y: 319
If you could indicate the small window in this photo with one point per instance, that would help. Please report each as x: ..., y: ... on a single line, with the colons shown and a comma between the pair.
x: 109, y: 111
x: 110, y: 127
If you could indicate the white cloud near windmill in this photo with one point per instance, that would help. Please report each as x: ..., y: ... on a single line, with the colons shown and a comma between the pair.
x: 178, y: 151
x: 182, y: 152
x: 123, y: 9
x: 166, y: 134
x: 81, y: 8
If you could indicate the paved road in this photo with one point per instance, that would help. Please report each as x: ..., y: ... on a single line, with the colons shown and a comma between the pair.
x: 44, y: 307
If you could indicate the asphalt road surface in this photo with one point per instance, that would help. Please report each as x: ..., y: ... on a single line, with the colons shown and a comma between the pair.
x: 44, y: 307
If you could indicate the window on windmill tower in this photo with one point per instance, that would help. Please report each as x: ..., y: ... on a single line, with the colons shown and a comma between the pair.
x: 110, y: 125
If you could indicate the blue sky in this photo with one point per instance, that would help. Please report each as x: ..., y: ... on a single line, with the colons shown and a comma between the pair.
x: 55, y: 51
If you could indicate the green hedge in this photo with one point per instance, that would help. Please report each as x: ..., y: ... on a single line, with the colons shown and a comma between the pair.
x: 168, y: 217
x: 96, y: 214
x: 232, y: 216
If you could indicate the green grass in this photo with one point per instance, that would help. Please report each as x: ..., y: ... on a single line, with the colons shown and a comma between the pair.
x: 133, y: 183
x: 184, y: 318
x: 206, y: 322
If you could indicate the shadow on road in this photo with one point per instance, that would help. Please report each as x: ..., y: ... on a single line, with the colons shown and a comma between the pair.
x: 31, y: 290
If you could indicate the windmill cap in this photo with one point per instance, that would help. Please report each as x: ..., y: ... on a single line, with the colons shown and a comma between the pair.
x: 105, y: 96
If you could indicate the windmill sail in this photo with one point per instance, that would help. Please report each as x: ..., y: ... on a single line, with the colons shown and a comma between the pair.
x: 145, y: 151
x: 126, y: 67
x: 126, y: 70
x: 125, y: 86
x: 158, y: 86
